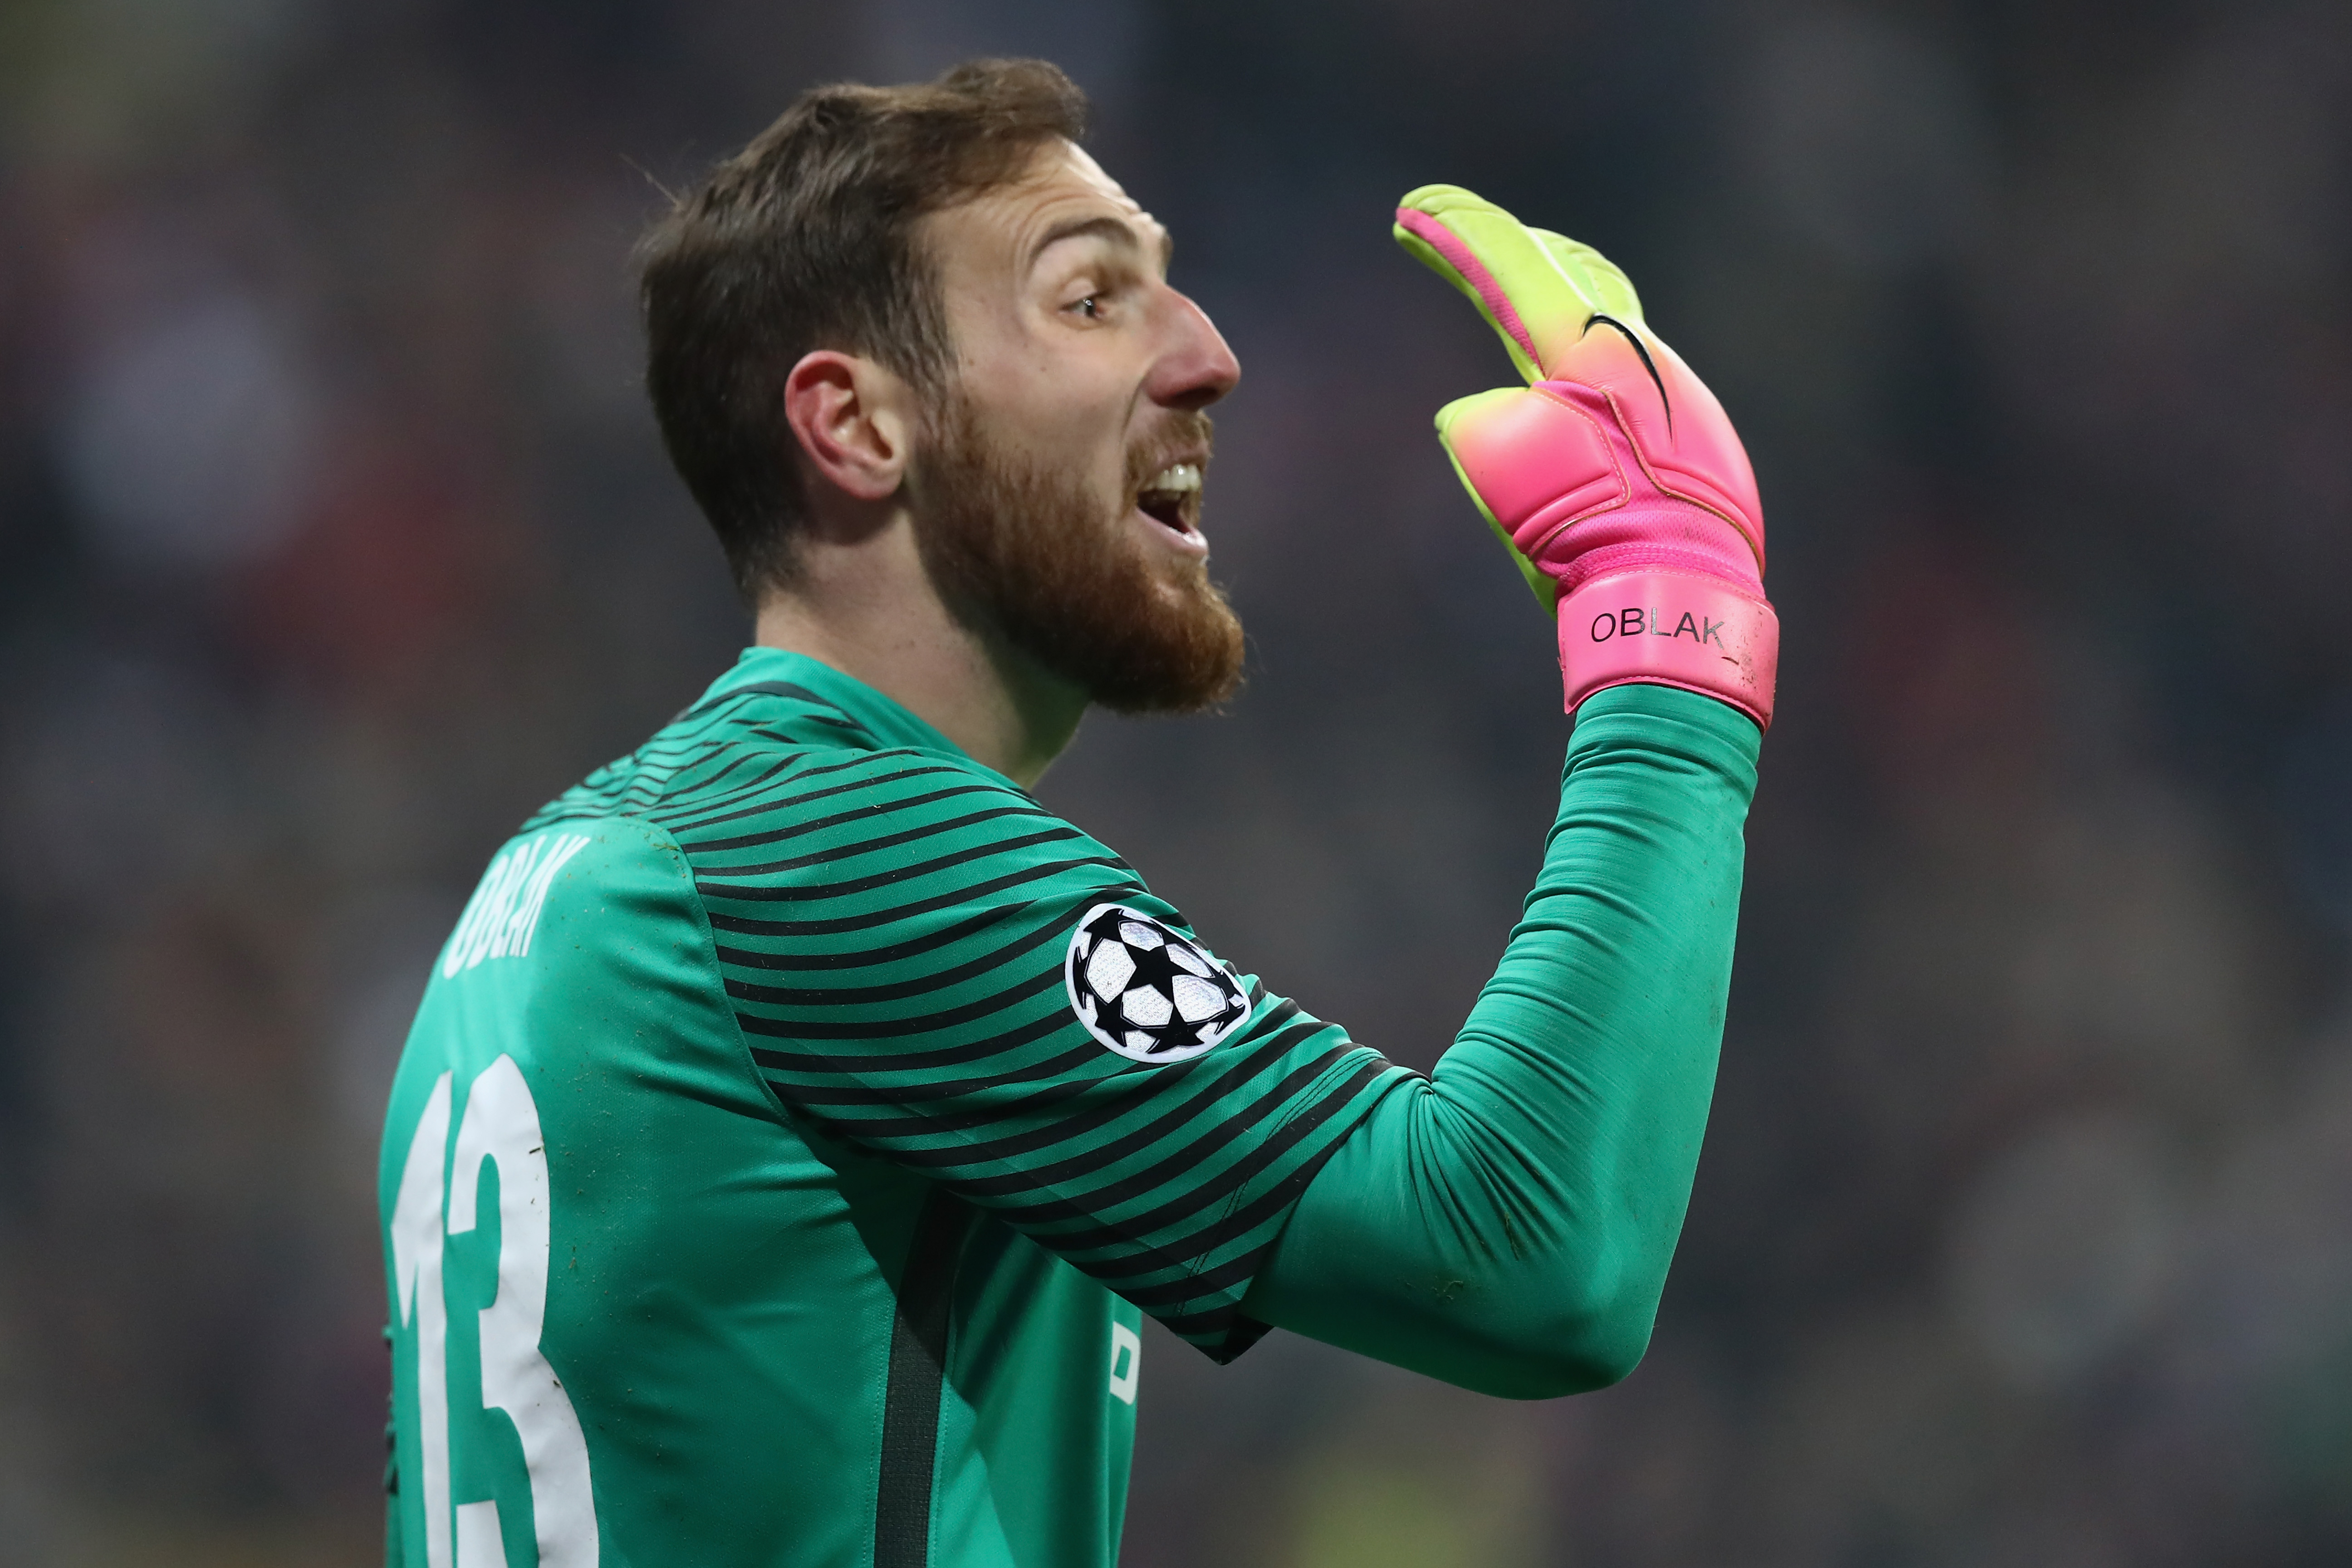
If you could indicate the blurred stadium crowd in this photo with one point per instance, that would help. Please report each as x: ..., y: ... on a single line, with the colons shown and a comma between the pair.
x: 334, y: 537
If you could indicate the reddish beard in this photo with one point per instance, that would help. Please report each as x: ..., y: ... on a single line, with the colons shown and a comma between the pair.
x: 1028, y: 553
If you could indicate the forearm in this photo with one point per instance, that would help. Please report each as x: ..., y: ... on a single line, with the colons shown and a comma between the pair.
x: 1508, y: 1225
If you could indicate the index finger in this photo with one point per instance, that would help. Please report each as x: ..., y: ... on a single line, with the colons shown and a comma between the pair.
x: 1538, y: 290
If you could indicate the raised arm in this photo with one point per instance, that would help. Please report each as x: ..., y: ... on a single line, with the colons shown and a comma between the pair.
x: 1508, y: 1225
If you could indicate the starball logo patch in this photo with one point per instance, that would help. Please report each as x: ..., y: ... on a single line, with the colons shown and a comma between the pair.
x: 1146, y: 990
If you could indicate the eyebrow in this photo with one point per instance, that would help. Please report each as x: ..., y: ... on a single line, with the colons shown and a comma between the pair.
x: 1112, y: 231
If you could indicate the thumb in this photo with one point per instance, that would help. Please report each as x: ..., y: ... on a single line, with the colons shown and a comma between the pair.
x: 1465, y: 428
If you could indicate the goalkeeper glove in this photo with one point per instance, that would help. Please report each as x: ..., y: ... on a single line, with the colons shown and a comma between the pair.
x: 1615, y: 479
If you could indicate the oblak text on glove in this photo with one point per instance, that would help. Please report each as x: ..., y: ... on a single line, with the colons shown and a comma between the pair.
x: 1638, y: 622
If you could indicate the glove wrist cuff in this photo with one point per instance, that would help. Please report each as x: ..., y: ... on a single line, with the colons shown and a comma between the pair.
x: 1666, y: 628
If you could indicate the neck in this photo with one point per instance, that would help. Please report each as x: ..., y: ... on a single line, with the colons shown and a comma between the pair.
x: 869, y: 610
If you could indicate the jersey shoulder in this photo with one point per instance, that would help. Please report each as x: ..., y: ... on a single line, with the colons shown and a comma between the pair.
x: 727, y: 747
x: 778, y: 782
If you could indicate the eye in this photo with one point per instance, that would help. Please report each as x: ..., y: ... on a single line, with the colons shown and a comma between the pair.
x: 1090, y: 306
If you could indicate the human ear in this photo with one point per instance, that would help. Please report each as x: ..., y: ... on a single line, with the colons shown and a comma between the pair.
x: 854, y: 420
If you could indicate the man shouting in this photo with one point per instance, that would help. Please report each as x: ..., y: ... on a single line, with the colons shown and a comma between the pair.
x: 800, y: 1118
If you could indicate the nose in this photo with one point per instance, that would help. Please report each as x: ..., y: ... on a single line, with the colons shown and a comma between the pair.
x: 1196, y: 367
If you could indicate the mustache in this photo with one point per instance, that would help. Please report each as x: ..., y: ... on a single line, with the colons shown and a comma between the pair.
x: 1186, y: 437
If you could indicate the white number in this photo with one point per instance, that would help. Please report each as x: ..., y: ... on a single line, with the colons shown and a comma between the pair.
x: 501, y: 1124
x: 1126, y: 1362
x: 416, y: 1268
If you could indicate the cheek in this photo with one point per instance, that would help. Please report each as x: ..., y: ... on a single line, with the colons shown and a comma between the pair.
x: 1056, y: 421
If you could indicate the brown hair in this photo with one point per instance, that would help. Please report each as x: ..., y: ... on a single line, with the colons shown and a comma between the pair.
x: 805, y: 239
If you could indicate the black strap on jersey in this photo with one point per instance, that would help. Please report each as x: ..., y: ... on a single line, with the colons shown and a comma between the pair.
x: 911, y: 1406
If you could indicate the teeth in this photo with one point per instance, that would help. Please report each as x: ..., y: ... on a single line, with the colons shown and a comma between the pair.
x: 1176, y: 476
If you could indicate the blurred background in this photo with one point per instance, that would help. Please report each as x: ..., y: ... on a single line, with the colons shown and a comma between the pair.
x: 334, y: 537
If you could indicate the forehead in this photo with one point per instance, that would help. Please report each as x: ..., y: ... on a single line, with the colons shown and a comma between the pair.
x: 1063, y: 193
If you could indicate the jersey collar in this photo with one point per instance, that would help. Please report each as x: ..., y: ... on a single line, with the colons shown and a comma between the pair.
x: 893, y: 727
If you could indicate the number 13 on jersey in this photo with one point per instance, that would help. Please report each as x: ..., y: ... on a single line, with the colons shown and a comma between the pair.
x: 442, y: 1263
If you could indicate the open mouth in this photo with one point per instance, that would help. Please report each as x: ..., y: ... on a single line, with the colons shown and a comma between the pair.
x: 1172, y: 497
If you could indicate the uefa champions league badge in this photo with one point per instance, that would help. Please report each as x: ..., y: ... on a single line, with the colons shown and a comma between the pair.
x: 1146, y: 990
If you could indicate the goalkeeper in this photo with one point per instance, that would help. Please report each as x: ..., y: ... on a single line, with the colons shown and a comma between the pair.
x: 800, y: 1118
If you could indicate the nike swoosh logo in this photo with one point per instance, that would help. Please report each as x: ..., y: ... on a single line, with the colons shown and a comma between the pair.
x: 1647, y: 363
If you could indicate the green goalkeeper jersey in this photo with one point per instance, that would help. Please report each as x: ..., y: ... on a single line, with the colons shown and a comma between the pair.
x: 795, y: 1127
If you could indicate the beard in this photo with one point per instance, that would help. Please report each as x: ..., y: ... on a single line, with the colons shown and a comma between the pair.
x: 1031, y: 553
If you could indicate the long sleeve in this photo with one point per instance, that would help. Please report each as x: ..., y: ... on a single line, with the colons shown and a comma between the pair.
x: 1506, y: 1225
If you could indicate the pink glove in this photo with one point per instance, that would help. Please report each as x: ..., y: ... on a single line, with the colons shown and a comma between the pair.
x: 1615, y: 479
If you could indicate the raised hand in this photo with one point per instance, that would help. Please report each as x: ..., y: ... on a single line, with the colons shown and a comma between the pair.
x: 1615, y: 478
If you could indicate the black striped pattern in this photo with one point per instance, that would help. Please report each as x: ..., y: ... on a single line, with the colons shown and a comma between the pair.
x: 891, y: 920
